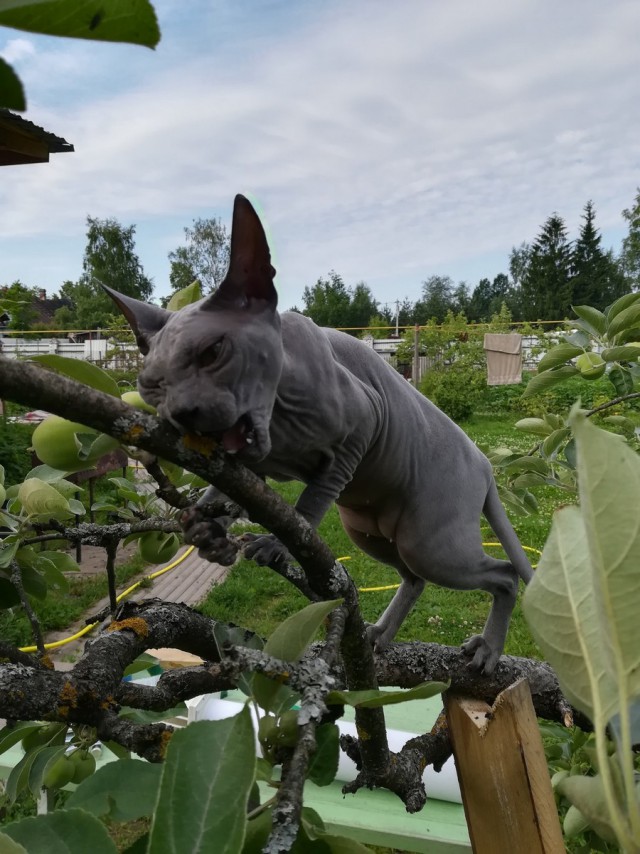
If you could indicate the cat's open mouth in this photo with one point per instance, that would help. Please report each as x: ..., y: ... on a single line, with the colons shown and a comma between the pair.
x: 237, y: 438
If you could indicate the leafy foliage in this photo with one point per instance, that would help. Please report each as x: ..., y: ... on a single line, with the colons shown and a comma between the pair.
x: 205, y: 258
x: 586, y: 582
x: 109, y: 258
x: 103, y: 20
x: 331, y: 303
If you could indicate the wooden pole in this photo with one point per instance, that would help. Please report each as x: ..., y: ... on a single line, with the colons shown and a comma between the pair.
x: 416, y: 356
x: 503, y: 774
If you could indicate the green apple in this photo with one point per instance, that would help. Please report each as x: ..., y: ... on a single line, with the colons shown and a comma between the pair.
x: 591, y: 365
x: 55, y: 444
x: 84, y: 765
x: 158, y: 547
x: 134, y: 398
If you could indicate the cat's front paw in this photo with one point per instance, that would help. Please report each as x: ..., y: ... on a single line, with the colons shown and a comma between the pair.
x: 208, y: 536
x: 265, y: 549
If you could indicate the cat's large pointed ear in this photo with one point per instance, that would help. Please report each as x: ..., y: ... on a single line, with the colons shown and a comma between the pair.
x: 145, y: 319
x: 250, y: 274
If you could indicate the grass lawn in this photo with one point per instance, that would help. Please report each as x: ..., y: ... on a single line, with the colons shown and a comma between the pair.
x: 59, y: 609
x: 259, y: 599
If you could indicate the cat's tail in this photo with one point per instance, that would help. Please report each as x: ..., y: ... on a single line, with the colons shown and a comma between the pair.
x: 503, y: 529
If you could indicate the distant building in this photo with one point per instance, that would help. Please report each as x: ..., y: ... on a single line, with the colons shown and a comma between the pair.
x: 23, y: 142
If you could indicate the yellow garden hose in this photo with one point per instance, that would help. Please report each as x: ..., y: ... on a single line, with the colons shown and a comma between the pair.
x: 395, y: 586
x: 177, y: 562
x: 122, y: 595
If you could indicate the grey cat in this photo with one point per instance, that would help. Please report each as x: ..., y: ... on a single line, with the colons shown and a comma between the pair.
x: 297, y: 402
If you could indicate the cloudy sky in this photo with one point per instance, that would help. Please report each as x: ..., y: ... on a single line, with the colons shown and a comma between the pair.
x: 387, y: 141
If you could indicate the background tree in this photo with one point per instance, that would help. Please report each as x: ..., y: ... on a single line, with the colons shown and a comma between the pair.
x: 363, y: 305
x: 597, y: 279
x: 327, y: 303
x: 205, y: 257
x: 488, y: 297
x: 630, y: 256
x: 437, y: 299
x: 18, y: 299
x: 519, y: 262
x: 546, y: 286
x: 461, y: 298
x: 110, y: 258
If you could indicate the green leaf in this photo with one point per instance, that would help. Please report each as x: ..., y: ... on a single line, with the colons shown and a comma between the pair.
x: 374, y: 698
x: 625, y: 353
x: 537, y: 426
x: 8, y: 552
x: 206, y: 780
x: 258, y: 830
x: 48, y: 474
x: 587, y: 795
x: 553, y: 442
x: 291, y: 638
x: 558, y: 355
x: 142, y: 662
x: 122, y: 791
x: 77, y: 369
x: 574, y: 822
x: 39, y: 498
x: 43, y: 758
x: 61, y: 560
x: 131, y: 21
x: 324, y: 762
x: 19, y: 776
x: 624, y: 320
x: 622, y: 380
x: 529, y: 480
x: 9, y: 597
x: 10, y: 735
x: 561, y: 611
x: 526, y: 464
x: 609, y: 488
x: 594, y: 319
x: 62, y: 832
x: 33, y: 583
x: 623, y: 423
x: 288, y: 642
x: 1, y: 474
x: 76, y: 507
x: 620, y: 305
x: 11, y: 91
x: 543, y: 381
x: 192, y: 293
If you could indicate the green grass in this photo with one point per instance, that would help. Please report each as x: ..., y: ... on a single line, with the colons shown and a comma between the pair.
x: 259, y: 599
x: 59, y: 609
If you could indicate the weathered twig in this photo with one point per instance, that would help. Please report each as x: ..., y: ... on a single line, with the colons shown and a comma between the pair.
x: 16, y: 580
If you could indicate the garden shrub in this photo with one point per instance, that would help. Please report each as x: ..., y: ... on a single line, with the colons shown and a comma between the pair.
x: 458, y: 389
x: 15, y: 439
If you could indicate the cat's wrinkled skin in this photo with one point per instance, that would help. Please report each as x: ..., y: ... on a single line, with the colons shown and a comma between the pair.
x: 296, y: 402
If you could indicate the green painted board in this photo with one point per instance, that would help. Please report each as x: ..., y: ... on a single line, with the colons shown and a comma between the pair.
x: 379, y: 818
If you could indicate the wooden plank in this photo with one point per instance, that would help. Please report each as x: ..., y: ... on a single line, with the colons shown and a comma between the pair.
x: 503, y: 774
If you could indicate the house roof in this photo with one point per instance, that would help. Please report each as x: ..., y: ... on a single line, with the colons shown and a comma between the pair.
x: 23, y: 142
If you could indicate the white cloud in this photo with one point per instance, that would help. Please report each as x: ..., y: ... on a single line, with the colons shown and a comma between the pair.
x: 386, y: 141
x: 16, y: 50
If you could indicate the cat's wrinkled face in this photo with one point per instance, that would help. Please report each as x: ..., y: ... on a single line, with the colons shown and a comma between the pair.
x: 216, y: 373
x: 213, y: 367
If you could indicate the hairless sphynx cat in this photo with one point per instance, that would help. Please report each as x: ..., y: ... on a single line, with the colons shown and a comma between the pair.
x: 297, y: 402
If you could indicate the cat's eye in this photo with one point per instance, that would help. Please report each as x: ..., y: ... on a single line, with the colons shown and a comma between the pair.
x: 210, y: 354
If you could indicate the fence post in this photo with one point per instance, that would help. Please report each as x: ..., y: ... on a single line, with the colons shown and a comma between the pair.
x: 416, y: 356
x: 503, y: 774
